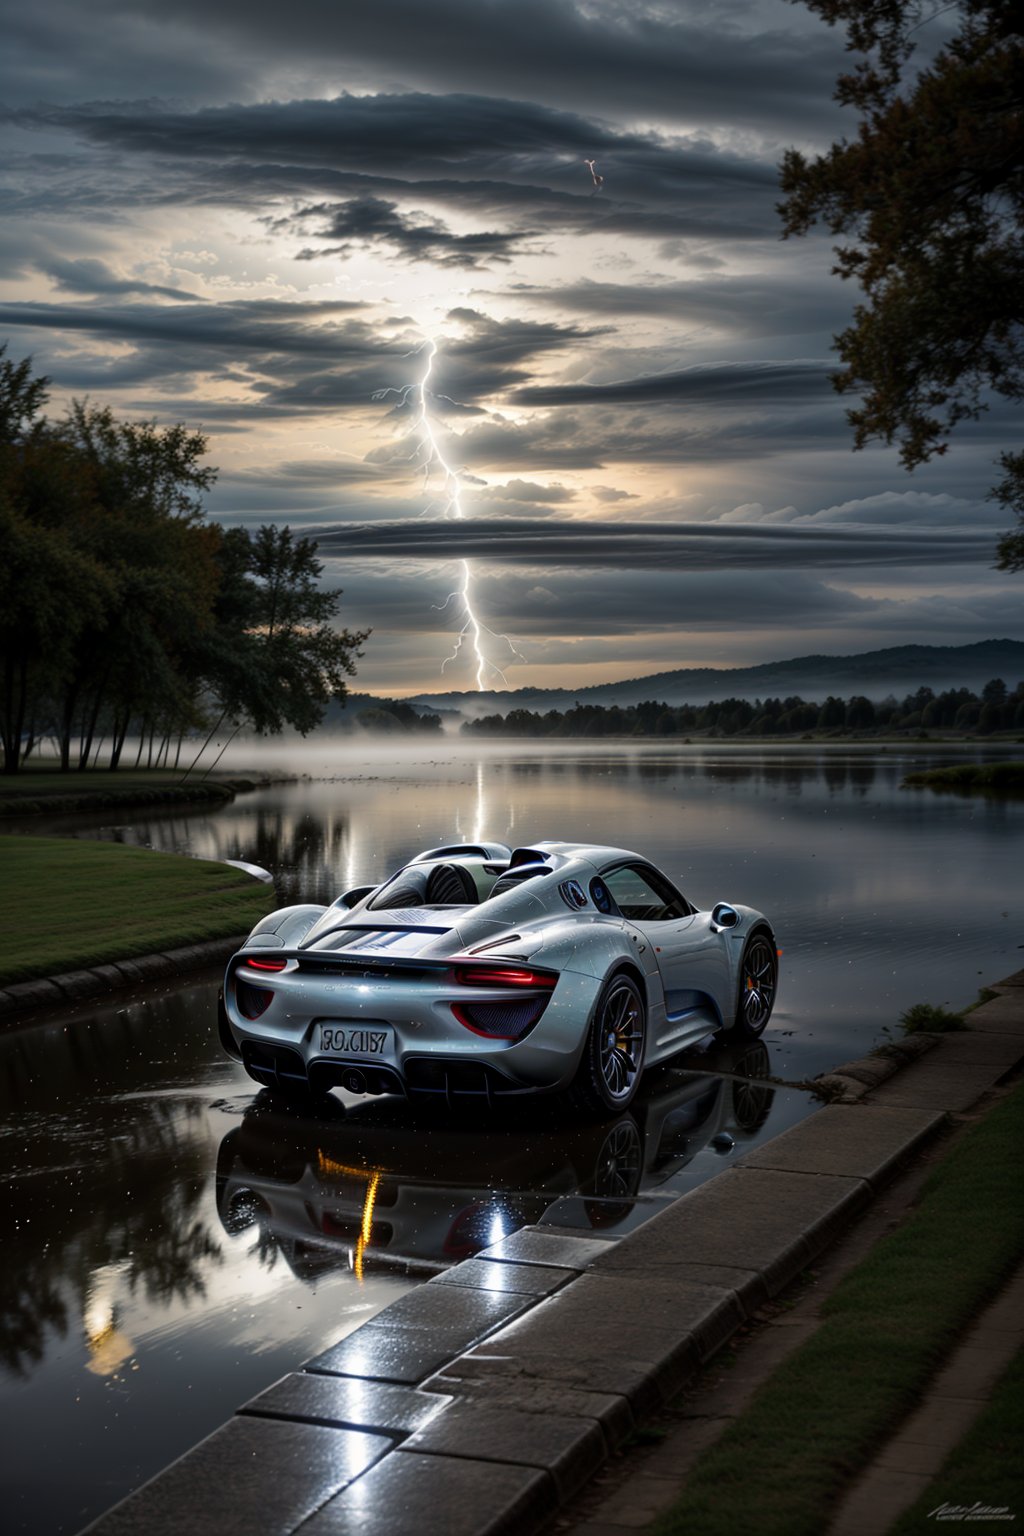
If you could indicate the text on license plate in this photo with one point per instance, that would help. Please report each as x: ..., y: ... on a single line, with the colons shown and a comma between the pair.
x: 355, y: 1040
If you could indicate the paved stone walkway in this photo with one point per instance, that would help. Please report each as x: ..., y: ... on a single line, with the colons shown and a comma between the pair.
x: 964, y: 1067
x: 625, y: 1503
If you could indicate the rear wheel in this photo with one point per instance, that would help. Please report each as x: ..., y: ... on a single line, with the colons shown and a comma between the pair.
x: 759, y: 974
x: 613, y: 1057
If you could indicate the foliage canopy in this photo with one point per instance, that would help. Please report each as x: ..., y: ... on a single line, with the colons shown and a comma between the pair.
x: 929, y: 200
x: 120, y: 607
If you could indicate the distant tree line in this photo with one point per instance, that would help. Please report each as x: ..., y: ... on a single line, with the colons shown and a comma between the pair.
x: 395, y: 717
x: 996, y: 708
x: 124, y: 614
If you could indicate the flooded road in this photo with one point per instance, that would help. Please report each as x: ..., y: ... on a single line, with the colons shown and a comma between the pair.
x: 175, y: 1240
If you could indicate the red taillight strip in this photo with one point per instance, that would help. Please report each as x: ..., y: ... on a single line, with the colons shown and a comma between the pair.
x: 264, y: 965
x: 504, y: 976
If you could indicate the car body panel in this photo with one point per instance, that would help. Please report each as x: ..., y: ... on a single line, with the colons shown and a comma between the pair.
x: 389, y: 981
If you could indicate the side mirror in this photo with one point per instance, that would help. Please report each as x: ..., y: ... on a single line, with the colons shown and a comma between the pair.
x: 355, y: 896
x: 724, y: 916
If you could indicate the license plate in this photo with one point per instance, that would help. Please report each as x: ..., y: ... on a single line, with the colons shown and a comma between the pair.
x: 364, y: 1040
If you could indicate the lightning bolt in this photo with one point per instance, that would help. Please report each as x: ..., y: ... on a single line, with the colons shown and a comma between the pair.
x: 427, y: 450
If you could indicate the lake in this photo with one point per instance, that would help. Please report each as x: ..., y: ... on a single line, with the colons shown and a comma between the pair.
x: 174, y: 1241
x: 881, y: 897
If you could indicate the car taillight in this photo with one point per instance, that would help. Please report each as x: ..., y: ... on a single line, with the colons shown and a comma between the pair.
x: 507, y: 1018
x: 504, y: 976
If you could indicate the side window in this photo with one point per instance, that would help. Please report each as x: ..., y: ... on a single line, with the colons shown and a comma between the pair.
x: 643, y: 896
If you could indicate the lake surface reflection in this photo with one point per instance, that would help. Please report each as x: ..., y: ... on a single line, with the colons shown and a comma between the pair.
x: 881, y: 896
x: 175, y: 1240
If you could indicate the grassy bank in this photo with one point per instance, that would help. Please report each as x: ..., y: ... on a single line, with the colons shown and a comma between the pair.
x: 49, y: 792
x: 67, y: 904
x: 972, y: 778
x: 987, y: 1467
x: 816, y: 1422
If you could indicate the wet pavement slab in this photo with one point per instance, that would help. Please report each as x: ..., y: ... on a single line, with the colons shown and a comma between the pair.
x: 416, y: 1495
x: 252, y: 1475
x: 569, y: 1448
x: 866, y: 1141
x: 342, y: 1402
x: 524, y: 1279
x: 422, y: 1332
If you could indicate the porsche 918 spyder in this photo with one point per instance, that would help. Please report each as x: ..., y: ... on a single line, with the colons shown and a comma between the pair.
x: 480, y: 971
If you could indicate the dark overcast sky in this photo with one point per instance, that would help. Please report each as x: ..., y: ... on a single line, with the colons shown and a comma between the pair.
x: 251, y: 217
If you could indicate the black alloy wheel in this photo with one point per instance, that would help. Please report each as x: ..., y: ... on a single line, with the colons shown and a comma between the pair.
x: 759, y: 974
x: 613, y: 1057
x: 752, y: 1099
x: 619, y: 1163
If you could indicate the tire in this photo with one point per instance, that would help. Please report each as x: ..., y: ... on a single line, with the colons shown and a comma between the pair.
x: 752, y: 1098
x: 759, y: 976
x: 620, y: 1163
x: 613, y: 1057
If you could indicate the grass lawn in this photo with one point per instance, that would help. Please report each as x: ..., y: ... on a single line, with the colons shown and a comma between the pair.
x: 66, y: 903
x: 817, y: 1421
x: 987, y: 1467
x: 48, y: 791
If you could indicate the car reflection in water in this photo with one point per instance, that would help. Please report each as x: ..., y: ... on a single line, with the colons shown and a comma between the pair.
x: 388, y: 1185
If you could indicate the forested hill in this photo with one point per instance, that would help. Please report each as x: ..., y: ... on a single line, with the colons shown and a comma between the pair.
x: 874, y: 673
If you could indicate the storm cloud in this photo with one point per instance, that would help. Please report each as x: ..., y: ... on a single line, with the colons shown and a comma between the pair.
x: 374, y: 221
x: 643, y: 546
x: 266, y: 221
x: 726, y: 383
x: 758, y: 66
x: 508, y: 159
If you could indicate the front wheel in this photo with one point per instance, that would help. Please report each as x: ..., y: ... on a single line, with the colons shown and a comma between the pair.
x: 613, y: 1057
x: 759, y: 974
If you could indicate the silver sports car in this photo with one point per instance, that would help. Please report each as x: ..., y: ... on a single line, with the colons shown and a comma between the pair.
x: 479, y: 971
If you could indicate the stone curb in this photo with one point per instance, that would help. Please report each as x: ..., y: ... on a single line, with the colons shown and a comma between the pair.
x: 850, y: 1082
x: 22, y: 999
x: 480, y: 1403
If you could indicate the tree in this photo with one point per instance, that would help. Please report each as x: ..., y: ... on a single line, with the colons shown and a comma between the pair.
x: 931, y: 196
x: 860, y: 713
x: 832, y: 714
x: 273, y: 657
x: 49, y: 593
x: 21, y: 398
x: 121, y: 607
x: 50, y: 589
x: 140, y: 521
